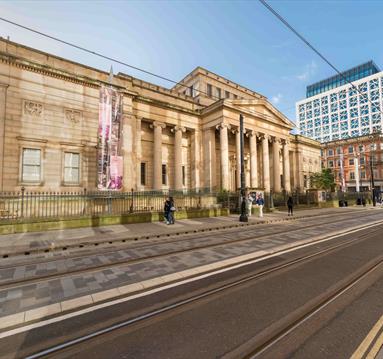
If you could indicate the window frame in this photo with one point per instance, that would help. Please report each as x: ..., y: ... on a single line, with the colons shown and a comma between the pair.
x: 31, y: 182
x: 64, y: 181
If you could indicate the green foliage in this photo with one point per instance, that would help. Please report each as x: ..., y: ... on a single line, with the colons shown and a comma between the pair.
x: 324, y: 180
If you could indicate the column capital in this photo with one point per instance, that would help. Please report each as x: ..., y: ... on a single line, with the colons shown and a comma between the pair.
x: 276, y: 140
x: 286, y: 142
x: 178, y: 128
x: 252, y: 133
x: 236, y: 130
x: 223, y: 125
x: 157, y: 124
x: 264, y: 136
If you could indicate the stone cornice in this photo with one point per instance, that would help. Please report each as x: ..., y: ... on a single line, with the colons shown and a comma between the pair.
x: 166, y: 105
x: 29, y: 139
x: 58, y: 73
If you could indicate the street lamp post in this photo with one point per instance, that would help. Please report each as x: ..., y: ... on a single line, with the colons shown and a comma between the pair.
x: 243, y: 217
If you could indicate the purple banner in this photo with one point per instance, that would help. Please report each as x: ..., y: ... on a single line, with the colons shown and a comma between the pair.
x: 109, y: 159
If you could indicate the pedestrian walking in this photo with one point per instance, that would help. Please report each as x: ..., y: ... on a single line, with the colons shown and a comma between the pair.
x: 172, y: 210
x: 290, y: 204
x: 167, y: 207
x: 260, y: 202
x: 249, y: 200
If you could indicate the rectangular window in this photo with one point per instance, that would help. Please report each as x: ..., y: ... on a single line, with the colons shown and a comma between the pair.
x: 330, y: 152
x: 71, y: 167
x: 352, y: 175
x: 31, y: 165
x: 191, y: 91
x: 331, y: 164
x: 235, y: 97
x: 164, y: 175
x: 351, y: 162
x: 183, y: 176
x: 219, y: 92
x: 338, y: 150
x: 209, y: 90
x: 143, y: 173
x: 363, y: 174
x: 362, y: 160
x: 227, y: 94
x: 350, y: 149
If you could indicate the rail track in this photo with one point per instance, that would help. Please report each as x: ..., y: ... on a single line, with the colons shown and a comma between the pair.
x: 8, y: 284
x: 266, y: 343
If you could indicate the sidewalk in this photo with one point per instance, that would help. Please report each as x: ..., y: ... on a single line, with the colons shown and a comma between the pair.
x: 32, y: 242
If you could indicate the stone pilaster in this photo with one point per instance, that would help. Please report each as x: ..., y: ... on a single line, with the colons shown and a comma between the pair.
x: 276, y: 165
x: 224, y: 148
x: 138, y: 154
x: 286, y: 166
x: 157, y: 155
x: 3, y: 96
x: 266, y: 163
x: 178, y: 130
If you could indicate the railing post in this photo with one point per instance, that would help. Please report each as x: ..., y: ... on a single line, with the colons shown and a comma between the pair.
x: 22, y: 202
x: 131, y: 203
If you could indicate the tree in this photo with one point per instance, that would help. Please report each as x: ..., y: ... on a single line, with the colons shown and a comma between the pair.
x: 324, y: 180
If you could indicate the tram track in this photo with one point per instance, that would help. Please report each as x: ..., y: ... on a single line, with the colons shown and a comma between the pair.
x: 267, y: 341
x: 4, y: 285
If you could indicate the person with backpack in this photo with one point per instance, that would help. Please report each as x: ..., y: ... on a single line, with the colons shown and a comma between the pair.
x: 260, y: 202
x: 290, y: 204
x: 167, y: 207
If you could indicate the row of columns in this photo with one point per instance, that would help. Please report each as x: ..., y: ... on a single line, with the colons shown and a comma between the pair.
x: 157, y: 155
x: 254, y: 183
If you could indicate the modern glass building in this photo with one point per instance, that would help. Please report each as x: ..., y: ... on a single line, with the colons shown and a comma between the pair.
x: 354, y: 74
x: 335, y: 110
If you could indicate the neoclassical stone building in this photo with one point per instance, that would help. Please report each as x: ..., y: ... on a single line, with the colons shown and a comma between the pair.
x: 180, y: 138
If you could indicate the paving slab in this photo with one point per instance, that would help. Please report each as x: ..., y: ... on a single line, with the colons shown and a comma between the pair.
x: 49, y: 240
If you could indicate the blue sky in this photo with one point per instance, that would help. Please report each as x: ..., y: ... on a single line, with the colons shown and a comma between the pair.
x: 240, y: 40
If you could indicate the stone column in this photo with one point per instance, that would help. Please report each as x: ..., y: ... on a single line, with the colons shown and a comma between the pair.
x: 138, y: 154
x: 178, y: 130
x: 157, y: 155
x: 286, y: 166
x: 266, y: 163
x: 253, y: 159
x: 276, y: 165
x: 3, y: 96
x: 195, y: 159
x: 224, y: 148
x: 209, y: 158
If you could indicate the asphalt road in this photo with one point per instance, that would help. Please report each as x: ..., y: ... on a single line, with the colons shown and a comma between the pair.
x: 233, y: 322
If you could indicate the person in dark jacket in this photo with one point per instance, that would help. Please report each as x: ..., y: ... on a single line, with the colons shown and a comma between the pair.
x: 167, y: 207
x: 290, y: 204
x: 172, y: 210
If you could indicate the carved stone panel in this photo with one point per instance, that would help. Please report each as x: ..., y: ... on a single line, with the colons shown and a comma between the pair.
x: 73, y: 117
x: 32, y: 108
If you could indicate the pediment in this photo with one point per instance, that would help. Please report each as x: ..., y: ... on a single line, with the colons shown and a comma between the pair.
x: 262, y: 108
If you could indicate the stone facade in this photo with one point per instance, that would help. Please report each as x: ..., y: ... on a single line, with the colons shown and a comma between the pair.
x: 180, y: 138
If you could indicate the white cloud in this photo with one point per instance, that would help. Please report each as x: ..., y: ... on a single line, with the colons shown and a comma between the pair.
x: 276, y: 99
x: 309, y: 70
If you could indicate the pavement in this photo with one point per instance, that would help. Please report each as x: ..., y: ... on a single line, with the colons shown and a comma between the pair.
x: 87, y: 277
x: 20, y: 243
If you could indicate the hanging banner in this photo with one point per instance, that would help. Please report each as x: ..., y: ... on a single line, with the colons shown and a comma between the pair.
x: 109, y: 141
